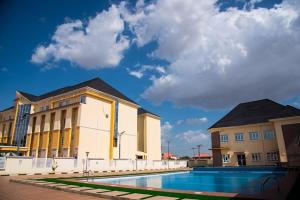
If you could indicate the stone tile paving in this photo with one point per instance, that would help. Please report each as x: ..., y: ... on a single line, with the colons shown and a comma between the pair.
x: 136, y: 196
x: 161, y: 198
x: 81, y: 188
x: 114, y: 193
x: 95, y: 191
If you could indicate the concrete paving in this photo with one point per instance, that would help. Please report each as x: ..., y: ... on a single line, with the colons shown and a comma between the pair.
x: 81, y: 188
x: 17, y: 191
x: 95, y: 191
x: 136, y: 196
x: 161, y: 198
x: 114, y: 193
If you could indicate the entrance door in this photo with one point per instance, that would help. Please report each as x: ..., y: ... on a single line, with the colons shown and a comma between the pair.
x: 241, y: 159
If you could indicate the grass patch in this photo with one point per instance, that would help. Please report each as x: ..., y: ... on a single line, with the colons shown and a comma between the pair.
x: 137, y: 190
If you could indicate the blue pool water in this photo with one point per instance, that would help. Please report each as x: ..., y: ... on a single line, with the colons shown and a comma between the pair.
x: 244, y: 182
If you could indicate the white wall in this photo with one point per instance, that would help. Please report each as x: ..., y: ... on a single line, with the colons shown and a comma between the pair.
x: 94, y: 131
x: 28, y: 165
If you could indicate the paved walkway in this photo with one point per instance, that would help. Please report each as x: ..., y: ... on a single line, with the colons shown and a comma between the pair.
x: 16, y: 191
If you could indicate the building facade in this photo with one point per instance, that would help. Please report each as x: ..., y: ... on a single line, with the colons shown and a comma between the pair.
x: 87, y: 117
x: 257, y: 133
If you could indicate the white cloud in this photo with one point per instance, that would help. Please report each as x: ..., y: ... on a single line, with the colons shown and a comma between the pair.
x: 194, y: 137
x: 166, y: 129
x: 139, y: 73
x: 216, y: 58
x: 193, y: 121
x: 99, y: 43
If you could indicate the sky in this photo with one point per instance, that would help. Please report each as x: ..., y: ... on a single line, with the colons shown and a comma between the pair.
x: 188, y: 61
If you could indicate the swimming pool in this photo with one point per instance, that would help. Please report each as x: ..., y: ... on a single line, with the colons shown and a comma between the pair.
x: 233, y: 181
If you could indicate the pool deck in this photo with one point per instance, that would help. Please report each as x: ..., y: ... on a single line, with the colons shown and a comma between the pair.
x: 117, y: 191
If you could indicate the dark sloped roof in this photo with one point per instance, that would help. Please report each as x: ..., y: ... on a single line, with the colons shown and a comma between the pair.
x: 96, y: 83
x: 143, y: 111
x: 28, y: 96
x: 255, y: 112
x: 7, y: 109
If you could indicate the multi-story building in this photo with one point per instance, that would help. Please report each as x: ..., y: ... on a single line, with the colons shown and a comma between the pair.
x: 91, y: 116
x: 261, y: 132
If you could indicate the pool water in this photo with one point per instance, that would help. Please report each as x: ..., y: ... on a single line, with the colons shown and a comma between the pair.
x: 245, y: 182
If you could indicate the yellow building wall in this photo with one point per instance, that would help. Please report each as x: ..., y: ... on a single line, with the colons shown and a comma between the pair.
x: 127, y: 121
x: 94, y: 122
x: 248, y: 146
x: 141, y: 134
x: 279, y: 134
x: 153, y: 137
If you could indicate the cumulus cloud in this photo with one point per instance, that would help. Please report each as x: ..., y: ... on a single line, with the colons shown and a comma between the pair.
x: 166, y: 129
x: 194, y: 137
x: 193, y: 121
x: 220, y: 58
x: 99, y: 43
x: 142, y: 69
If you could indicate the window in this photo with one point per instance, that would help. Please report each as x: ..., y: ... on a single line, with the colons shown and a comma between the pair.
x: 269, y: 135
x: 272, y: 156
x: 42, y: 123
x: 224, y: 138
x: 115, y: 142
x: 239, y: 137
x: 82, y: 99
x: 256, y: 157
x: 254, y: 135
x: 52, y: 120
x: 226, y: 158
x: 47, y: 108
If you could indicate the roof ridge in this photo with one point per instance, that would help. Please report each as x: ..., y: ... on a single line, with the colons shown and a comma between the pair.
x: 96, y: 83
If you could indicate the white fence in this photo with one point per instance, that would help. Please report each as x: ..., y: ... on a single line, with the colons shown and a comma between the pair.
x: 2, y: 162
x: 29, y: 165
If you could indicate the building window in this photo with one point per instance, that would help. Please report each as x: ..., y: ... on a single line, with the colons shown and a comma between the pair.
x: 226, y: 158
x: 272, y: 156
x: 82, y: 99
x: 254, y: 135
x: 256, y: 157
x: 239, y: 137
x: 115, y: 142
x: 224, y: 138
x: 62, y: 141
x: 269, y: 135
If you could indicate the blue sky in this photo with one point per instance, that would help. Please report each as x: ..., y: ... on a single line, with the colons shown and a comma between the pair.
x: 188, y: 63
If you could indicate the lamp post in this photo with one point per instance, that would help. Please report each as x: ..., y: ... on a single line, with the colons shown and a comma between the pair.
x: 120, y: 135
x: 198, y: 146
x: 194, y: 153
x: 168, y: 152
x: 86, y: 163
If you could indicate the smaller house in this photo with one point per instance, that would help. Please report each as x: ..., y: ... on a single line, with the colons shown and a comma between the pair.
x: 204, y: 156
x: 166, y: 156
